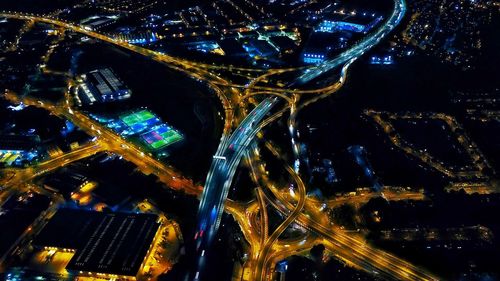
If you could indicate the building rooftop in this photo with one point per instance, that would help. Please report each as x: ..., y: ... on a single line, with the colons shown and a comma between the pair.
x: 110, y: 243
x: 283, y: 43
x: 18, y: 142
x: 231, y: 47
x: 16, y: 215
x: 102, y: 85
x: 65, y: 182
x: 260, y: 47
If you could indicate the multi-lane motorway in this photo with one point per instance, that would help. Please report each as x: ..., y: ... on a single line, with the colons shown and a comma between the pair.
x: 232, y: 148
x: 220, y: 176
x: 360, y: 48
x: 228, y: 156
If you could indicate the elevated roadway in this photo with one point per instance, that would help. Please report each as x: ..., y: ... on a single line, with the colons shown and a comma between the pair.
x: 230, y: 152
x: 358, y: 49
x: 221, y: 174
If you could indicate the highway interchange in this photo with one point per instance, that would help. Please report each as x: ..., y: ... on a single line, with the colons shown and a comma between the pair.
x: 240, y: 131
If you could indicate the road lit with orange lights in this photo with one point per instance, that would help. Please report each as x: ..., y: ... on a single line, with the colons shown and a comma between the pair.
x: 240, y: 130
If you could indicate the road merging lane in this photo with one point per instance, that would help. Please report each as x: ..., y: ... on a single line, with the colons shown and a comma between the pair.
x: 231, y: 149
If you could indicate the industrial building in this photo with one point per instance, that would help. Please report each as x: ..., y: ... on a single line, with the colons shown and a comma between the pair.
x: 331, y: 26
x: 65, y: 182
x: 17, y: 213
x: 15, y: 149
x: 102, y: 85
x: 318, y: 47
x: 335, y: 34
x: 283, y: 43
x: 98, y: 22
x: 358, y: 23
x: 232, y: 47
x: 111, y: 245
x: 260, y: 48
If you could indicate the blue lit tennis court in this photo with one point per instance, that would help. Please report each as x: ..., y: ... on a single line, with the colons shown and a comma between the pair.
x: 144, y: 124
x: 140, y: 121
x: 161, y: 136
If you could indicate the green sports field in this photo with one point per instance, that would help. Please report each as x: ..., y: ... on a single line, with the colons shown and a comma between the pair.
x: 135, y: 118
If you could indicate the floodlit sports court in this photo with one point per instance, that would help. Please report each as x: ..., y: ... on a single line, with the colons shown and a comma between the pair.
x: 155, y: 133
x: 161, y: 136
x: 140, y: 120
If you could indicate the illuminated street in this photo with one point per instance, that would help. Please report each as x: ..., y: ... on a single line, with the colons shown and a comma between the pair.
x: 248, y: 140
